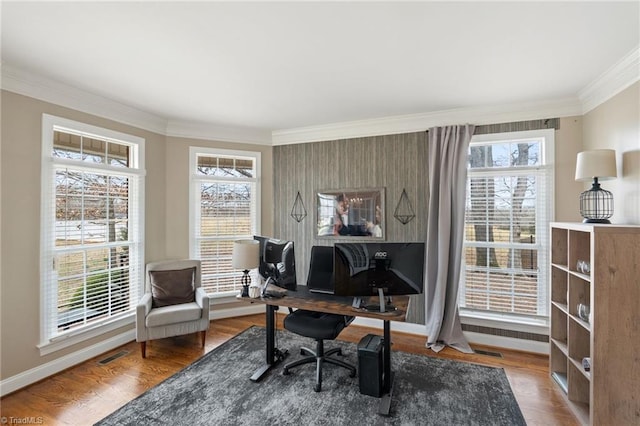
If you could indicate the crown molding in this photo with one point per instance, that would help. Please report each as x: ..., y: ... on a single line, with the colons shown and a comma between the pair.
x: 421, y: 122
x: 208, y: 131
x: 45, y: 89
x: 617, y: 78
x: 35, y: 86
x: 620, y: 76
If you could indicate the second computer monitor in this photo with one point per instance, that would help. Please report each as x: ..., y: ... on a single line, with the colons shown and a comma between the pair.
x: 320, y: 278
x: 277, y: 261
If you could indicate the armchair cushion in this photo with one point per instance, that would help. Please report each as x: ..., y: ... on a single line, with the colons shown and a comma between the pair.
x: 173, y: 314
x: 172, y: 287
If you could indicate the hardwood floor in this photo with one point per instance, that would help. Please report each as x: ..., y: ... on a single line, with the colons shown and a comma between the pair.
x: 88, y: 392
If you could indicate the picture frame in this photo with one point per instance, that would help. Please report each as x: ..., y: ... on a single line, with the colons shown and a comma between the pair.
x: 350, y: 213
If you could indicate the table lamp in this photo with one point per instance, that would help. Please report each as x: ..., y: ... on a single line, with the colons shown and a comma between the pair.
x: 596, y: 204
x: 245, y: 257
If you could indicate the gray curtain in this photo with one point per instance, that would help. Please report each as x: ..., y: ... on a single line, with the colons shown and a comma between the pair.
x: 447, y: 147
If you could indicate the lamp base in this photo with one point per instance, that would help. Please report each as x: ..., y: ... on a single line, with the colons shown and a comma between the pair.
x: 246, y: 280
x: 596, y: 204
x: 596, y: 221
x: 245, y: 291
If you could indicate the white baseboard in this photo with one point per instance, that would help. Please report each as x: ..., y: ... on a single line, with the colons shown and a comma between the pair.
x: 472, y: 337
x: 43, y: 371
x: 26, y: 378
x: 524, y: 345
x: 236, y: 312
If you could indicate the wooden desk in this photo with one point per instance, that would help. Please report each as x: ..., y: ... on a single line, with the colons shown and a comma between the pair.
x: 304, y: 299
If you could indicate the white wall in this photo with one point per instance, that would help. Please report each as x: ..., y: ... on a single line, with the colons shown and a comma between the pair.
x: 615, y: 124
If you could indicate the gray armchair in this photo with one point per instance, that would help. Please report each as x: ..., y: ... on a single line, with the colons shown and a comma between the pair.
x: 174, y: 302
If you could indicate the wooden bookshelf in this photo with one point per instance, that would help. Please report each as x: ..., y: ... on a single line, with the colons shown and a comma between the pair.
x: 608, y: 393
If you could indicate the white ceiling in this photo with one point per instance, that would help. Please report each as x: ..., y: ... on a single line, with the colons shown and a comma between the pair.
x: 273, y: 66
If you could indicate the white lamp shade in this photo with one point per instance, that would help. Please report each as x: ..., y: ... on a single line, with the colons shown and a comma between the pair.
x: 245, y: 254
x: 600, y: 163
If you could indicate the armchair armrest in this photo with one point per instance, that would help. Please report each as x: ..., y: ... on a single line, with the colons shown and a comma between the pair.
x: 202, y: 299
x: 144, y: 305
x: 142, y: 310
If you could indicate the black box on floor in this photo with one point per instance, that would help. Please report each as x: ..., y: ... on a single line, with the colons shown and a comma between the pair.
x: 370, y: 368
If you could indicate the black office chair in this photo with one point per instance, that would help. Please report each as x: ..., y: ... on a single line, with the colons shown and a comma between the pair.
x: 318, y: 325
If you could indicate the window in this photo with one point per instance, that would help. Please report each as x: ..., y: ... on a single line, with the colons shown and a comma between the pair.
x: 508, y: 209
x: 224, y: 204
x: 92, y: 228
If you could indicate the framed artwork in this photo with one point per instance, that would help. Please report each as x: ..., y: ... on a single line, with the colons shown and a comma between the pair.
x: 344, y: 213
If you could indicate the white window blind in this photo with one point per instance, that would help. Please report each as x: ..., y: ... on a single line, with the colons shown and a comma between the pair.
x: 508, y: 209
x: 224, y: 208
x: 92, y: 218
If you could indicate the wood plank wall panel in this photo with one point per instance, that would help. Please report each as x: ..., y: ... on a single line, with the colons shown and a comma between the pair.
x: 392, y: 162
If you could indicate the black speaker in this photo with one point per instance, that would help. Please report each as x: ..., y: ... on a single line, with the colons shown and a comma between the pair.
x: 370, y: 365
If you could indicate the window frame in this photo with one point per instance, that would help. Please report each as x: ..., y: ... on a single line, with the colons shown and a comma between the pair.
x: 194, y: 199
x: 50, y: 341
x: 506, y: 320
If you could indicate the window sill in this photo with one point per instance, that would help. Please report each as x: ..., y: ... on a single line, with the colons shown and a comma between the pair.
x: 505, y: 322
x: 78, y: 336
x: 226, y: 297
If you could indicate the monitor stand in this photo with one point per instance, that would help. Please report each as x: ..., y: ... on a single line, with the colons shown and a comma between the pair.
x: 263, y: 291
x: 381, y: 299
x: 381, y: 307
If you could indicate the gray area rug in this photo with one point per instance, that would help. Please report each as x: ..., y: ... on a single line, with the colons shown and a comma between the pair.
x: 216, y: 390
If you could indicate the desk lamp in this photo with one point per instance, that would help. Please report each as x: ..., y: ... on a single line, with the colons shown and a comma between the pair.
x: 596, y: 204
x: 245, y: 257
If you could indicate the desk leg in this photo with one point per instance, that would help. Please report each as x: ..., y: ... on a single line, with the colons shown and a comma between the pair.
x: 274, y: 355
x: 387, y: 379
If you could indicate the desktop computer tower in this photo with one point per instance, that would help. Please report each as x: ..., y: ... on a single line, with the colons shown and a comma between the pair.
x: 370, y: 365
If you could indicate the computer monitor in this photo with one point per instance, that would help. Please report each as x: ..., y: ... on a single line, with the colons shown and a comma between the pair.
x: 277, y: 261
x: 320, y: 278
x: 378, y: 268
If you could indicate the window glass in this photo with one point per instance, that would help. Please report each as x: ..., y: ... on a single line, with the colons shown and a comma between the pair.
x: 91, y: 227
x: 224, y: 188
x: 225, y: 166
x: 506, y: 221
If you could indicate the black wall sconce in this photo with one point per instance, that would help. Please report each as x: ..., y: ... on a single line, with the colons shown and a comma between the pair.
x: 404, y: 211
x: 298, y: 212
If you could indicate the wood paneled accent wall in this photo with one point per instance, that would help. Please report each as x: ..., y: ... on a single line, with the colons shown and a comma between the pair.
x: 393, y: 162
